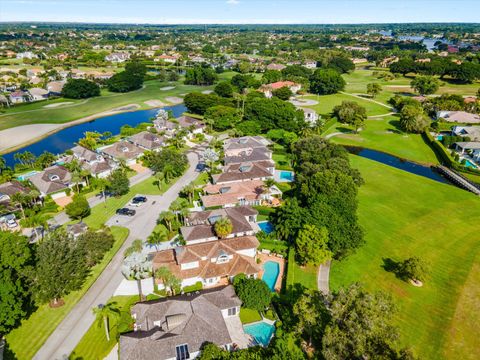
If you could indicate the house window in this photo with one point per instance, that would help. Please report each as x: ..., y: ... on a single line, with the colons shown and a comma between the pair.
x: 182, y: 352
x: 232, y: 311
x: 223, y: 259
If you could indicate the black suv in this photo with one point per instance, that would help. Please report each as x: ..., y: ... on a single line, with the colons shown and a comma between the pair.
x: 139, y: 199
x: 126, y: 211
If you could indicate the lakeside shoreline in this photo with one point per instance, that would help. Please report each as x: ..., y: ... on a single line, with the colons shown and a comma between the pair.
x: 33, y: 136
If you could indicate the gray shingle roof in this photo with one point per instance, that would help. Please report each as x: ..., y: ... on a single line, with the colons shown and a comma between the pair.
x: 202, y: 322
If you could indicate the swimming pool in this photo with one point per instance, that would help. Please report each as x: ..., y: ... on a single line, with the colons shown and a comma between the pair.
x: 266, y: 226
x: 271, y: 269
x: 261, y: 331
x: 286, y: 175
x: 26, y: 176
x: 469, y: 164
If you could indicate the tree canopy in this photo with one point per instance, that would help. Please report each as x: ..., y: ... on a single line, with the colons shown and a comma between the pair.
x: 326, y: 81
x: 254, y: 293
x: 80, y: 89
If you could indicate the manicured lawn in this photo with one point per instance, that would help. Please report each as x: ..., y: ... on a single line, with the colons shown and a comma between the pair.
x: 384, y: 135
x: 249, y: 315
x: 102, y: 212
x: 406, y: 215
x: 94, y: 344
x: 303, y: 275
x: 357, y: 83
x: 27, y: 339
x: 462, y: 340
x: 326, y: 103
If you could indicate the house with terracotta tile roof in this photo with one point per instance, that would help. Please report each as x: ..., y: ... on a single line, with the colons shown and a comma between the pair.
x: 211, y: 263
x: 269, y: 88
x: 252, y: 193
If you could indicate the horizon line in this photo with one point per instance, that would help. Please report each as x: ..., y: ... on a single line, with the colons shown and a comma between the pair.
x: 235, y: 23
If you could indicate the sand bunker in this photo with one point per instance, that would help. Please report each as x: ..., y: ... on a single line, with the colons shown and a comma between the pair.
x: 167, y: 88
x: 207, y: 91
x: 57, y: 104
x: 174, y: 100
x: 154, y: 103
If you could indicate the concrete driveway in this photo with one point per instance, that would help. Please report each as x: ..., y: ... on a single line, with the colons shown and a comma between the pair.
x: 70, y: 331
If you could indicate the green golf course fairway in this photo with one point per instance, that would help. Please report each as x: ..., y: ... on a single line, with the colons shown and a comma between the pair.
x: 406, y: 215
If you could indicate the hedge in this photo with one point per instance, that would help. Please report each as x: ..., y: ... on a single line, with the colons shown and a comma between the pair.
x: 195, y: 287
x: 439, y: 149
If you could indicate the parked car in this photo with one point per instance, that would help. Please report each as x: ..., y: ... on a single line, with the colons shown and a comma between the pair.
x: 126, y: 211
x: 11, y: 223
x: 138, y: 200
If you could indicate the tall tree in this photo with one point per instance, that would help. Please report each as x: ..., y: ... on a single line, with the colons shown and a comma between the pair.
x: 312, y: 245
x: 118, y: 183
x: 326, y: 81
x: 311, y: 314
x: 79, y: 208
x: 425, y: 85
x: 360, y: 325
x: 16, y: 260
x: 60, y: 269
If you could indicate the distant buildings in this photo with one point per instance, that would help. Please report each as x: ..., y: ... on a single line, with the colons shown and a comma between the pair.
x: 118, y: 57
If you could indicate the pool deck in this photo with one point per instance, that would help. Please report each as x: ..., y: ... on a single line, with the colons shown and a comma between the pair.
x: 281, y: 262
x: 279, y: 179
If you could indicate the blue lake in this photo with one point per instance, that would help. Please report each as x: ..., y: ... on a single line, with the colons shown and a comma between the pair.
x: 65, y: 139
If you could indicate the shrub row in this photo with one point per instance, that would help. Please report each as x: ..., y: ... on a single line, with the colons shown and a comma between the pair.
x: 195, y: 287
x: 439, y: 149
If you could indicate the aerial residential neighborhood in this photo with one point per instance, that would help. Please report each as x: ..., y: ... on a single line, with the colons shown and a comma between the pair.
x: 239, y: 180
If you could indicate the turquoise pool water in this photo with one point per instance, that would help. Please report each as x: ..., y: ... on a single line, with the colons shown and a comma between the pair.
x: 439, y: 137
x: 266, y: 226
x: 26, y: 176
x: 469, y: 164
x: 261, y: 332
x: 271, y: 269
x: 286, y: 175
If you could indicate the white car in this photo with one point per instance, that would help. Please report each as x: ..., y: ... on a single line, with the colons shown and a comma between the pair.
x: 11, y: 223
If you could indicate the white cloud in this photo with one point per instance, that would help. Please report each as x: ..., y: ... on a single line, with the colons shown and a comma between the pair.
x: 233, y: 2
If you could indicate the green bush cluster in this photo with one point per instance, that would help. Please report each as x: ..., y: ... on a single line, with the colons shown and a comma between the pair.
x: 192, y: 288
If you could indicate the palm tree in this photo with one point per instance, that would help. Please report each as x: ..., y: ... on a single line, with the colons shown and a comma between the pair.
x: 103, y: 185
x: 168, y: 172
x: 19, y: 199
x: 167, y: 217
x: 159, y: 179
x: 137, y: 266
x: 189, y: 190
x: 168, y: 279
x: 179, y: 206
x: 137, y: 246
x: 104, y: 313
x: 223, y: 227
x: 157, y: 237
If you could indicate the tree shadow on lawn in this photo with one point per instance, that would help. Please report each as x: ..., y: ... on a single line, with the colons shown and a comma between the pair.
x: 344, y: 130
x: 396, y: 124
x: 395, y: 267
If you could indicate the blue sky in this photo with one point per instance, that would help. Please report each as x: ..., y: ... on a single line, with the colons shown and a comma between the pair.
x: 240, y: 11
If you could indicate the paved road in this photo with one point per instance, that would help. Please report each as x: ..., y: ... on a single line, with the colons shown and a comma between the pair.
x: 70, y: 331
x: 62, y: 218
x: 323, y: 277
